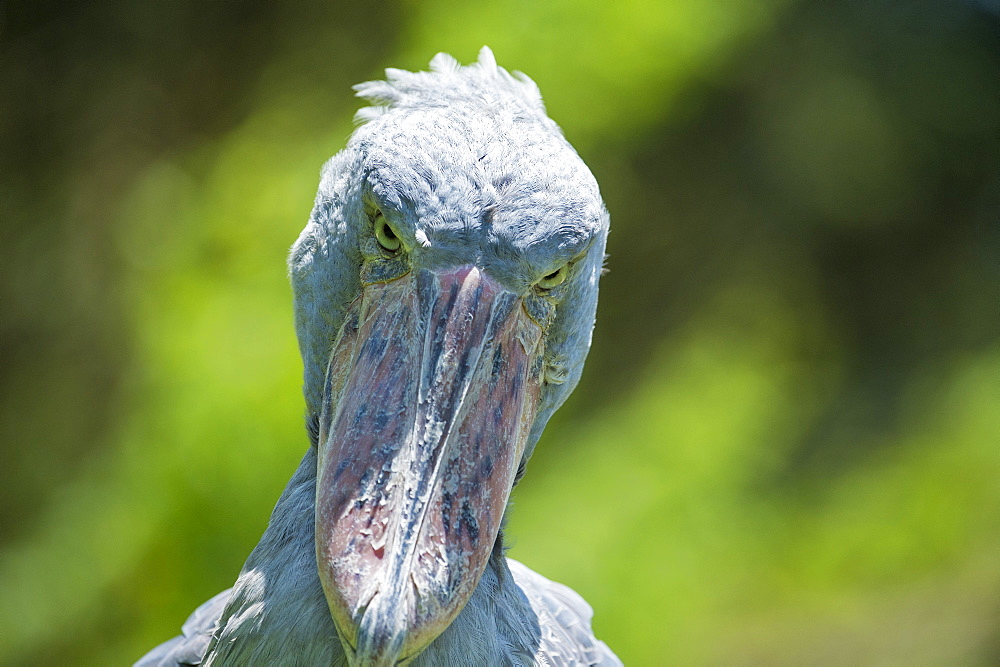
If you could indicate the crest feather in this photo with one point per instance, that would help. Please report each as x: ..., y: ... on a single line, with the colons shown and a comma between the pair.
x: 445, y: 63
x: 446, y: 82
x: 486, y: 58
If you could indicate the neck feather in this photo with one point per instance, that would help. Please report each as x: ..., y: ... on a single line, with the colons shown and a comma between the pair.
x: 278, y: 608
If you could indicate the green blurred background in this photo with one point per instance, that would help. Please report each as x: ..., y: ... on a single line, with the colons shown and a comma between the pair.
x: 786, y: 446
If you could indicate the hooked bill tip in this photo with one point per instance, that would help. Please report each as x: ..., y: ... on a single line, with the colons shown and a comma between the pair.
x: 382, y: 631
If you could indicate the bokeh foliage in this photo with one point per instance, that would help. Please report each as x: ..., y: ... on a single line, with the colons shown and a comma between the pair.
x: 786, y: 447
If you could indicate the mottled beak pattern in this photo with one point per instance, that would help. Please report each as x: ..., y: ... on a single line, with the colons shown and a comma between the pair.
x: 430, y: 395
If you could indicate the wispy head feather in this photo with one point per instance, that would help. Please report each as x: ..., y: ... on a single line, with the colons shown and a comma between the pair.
x: 447, y: 81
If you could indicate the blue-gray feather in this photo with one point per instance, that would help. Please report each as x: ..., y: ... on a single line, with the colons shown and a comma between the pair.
x: 276, y: 613
x: 446, y: 147
x: 440, y: 150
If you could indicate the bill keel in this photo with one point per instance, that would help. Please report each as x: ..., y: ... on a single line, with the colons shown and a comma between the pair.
x: 434, y: 383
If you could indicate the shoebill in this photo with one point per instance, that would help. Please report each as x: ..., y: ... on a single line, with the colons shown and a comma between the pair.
x: 445, y: 290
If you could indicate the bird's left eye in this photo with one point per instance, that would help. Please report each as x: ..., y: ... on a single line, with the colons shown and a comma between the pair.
x: 385, y: 235
x: 555, y: 278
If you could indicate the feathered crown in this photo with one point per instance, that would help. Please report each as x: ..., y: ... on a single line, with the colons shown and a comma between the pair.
x: 447, y: 81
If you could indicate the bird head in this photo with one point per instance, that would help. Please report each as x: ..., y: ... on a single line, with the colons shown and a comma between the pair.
x: 445, y: 292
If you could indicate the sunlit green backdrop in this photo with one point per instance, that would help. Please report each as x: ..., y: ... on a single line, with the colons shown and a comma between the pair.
x: 786, y: 446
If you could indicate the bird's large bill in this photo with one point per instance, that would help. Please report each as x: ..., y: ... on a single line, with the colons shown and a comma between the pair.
x: 435, y: 382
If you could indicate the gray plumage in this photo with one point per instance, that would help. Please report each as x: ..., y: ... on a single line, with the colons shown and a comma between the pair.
x: 468, y: 169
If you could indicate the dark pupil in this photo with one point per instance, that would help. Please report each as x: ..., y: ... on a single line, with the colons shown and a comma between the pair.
x: 387, y: 230
x: 552, y: 276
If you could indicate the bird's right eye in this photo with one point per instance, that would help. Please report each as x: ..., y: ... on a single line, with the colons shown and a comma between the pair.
x: 385, y: 235
x: 553, y: 279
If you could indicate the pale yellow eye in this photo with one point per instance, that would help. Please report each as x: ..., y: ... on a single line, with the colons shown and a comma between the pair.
x: 555, y: 278
x: 385, y: 235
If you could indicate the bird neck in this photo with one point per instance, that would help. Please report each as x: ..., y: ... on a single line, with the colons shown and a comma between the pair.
x: 278, y: 607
